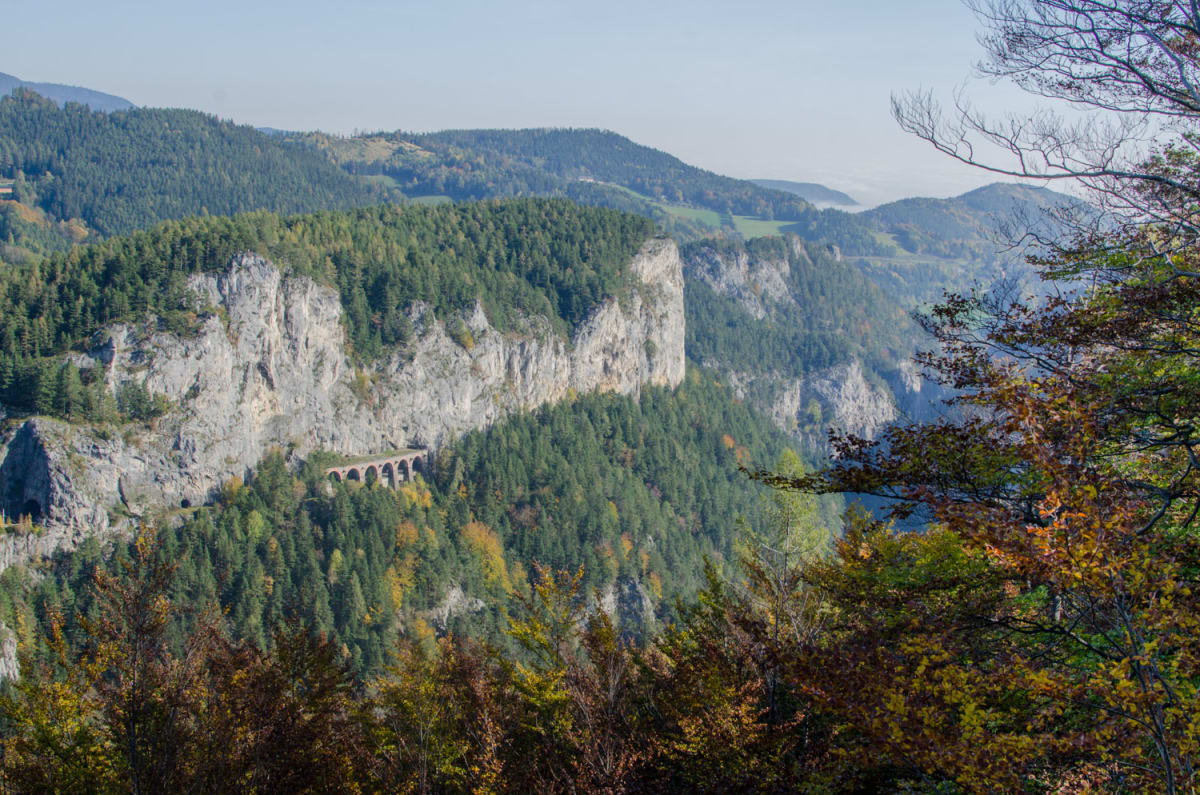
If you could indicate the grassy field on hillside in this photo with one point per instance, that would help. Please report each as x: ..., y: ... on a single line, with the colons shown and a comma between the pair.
x: 709, y: 217
x: 747, y: 226
x: 750, y: 227
x: 381, y: 179
x: 430, y: 199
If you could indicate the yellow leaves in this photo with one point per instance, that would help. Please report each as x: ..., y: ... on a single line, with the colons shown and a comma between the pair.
x: 421, y: 631
x: 400, y: 578
x: 1039, y: 680
x: 728, y: 441
x: 232, y: 489
x: 656, y: 584
x: 626, y: 545
x: 406, y: 535
x: 256, y: 525
x: 895, y: 703
x: 416, y: 493
x: 609, y: 565
x: 337, y: 562
x: 431, y: 537
x: 519, y: 577
x: 729, y: 723
x: 483, y: 541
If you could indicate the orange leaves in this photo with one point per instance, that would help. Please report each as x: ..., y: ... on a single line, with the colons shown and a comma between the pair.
x: 1049, y: 599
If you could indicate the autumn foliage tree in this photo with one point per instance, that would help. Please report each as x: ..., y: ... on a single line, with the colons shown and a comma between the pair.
x: 132, y: 713
x: 1046, y: 625
x: 1042, y: 632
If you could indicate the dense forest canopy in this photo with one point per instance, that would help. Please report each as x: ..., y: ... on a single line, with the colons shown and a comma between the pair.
x: 831, y: 314
x: 518, y: 258
x: 126, y: 170
x: 595, y: 167
x: 637, y: 492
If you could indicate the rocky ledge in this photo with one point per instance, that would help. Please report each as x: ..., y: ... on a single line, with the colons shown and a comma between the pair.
x: 269, y: 367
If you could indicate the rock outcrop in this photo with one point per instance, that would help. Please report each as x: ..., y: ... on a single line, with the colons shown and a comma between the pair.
x: 10, y: 664
x: 839, y: 397
x: 269, y: 368
x: 754, y: 282
x: 845, y: 397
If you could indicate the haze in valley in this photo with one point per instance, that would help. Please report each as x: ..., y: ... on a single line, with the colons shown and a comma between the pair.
x: 759, y: 89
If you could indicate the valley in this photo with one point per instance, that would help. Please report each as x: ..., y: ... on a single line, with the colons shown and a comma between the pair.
x: 146, y: 375
x: 424, y: 430
x: 400, y: 390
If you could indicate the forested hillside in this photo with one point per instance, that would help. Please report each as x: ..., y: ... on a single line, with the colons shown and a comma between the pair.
x: 111, y: 173
x: 518, y: 258
x: 913, y: 248
x: 647, y: 592
x: 62, y: 94
x: 951, y: 244
x: 607, y: 157
x: 637, y: 493
x: 803, y: 336
x: 592, y: 167
x: 827, y: 313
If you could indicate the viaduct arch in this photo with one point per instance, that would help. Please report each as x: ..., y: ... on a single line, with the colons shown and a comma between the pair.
x: 392, y: 469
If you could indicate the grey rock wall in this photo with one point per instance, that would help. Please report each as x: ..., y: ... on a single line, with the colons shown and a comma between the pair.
x: 269, y: 368
x: 804, y: 404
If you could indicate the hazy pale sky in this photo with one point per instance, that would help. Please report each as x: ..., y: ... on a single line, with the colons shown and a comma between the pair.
x: 758, y: 88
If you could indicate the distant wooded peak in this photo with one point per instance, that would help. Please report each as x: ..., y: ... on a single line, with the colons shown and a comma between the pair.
x: 62, y: 94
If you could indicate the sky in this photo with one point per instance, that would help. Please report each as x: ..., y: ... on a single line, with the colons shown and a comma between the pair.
x: 779, y: 89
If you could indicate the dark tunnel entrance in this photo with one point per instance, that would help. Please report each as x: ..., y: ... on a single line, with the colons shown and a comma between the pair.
x: 33, y: 509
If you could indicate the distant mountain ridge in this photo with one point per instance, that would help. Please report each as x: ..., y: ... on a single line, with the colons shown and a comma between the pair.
x: 104, y: 174
x: 165, y: 164
x: 809, y: 191
x: 590, y: 166
x: 949, y: 227
x: 961, y: 241
x: 62, y: 94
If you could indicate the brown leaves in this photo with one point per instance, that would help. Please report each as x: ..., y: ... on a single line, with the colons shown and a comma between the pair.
x: 1042, y: 627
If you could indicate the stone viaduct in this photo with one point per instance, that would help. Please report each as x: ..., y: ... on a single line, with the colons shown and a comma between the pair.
x: 392, y: 468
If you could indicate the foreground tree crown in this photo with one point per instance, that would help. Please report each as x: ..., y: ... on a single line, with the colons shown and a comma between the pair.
x: 1042, y: 633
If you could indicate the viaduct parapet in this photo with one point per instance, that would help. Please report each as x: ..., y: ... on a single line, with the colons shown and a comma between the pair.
x: 391, y: 469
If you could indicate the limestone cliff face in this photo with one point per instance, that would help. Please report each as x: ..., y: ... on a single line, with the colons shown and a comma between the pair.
x: 806, y: 404
x: 270, y: 368
x: 839, y: 397
x: 754, y: 282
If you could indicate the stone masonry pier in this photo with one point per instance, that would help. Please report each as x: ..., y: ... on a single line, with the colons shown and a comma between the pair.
x: 391, y: 468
